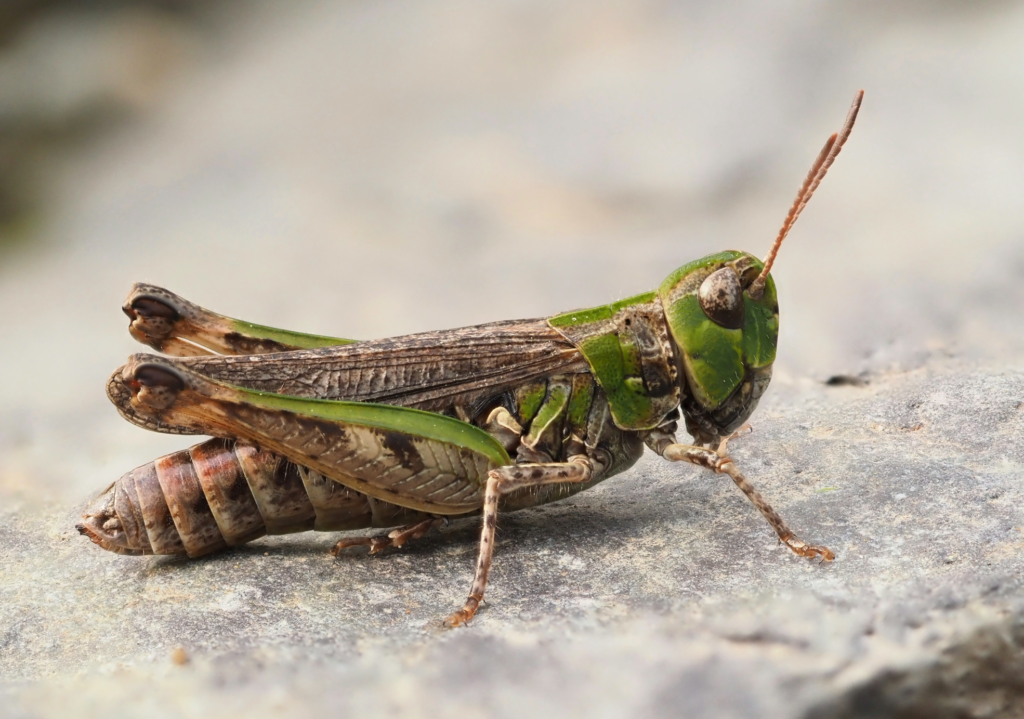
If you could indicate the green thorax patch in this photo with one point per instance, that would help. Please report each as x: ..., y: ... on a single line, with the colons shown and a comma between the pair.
x: 630, y: 354
x: 715, y: 358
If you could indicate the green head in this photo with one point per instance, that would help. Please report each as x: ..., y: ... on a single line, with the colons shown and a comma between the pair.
x: 703, y: 343
x: 723, y: 316
x: 725, y: 327
x: 714, y: 361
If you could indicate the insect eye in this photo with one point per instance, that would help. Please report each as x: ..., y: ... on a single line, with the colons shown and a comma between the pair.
x: 721, y: 298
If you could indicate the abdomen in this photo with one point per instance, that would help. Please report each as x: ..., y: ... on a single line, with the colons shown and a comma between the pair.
x: 224, y: 493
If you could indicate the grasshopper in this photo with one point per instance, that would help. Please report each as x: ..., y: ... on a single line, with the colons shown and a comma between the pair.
x: 331, y: 434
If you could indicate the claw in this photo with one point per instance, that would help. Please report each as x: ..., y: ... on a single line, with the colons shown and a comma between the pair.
x: 462, y: 616
x: 809, y: 550
x: 375, y: 544
x: 457, y: 619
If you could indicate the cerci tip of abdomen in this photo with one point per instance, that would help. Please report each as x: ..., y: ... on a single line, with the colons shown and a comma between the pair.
x: 217, y: 494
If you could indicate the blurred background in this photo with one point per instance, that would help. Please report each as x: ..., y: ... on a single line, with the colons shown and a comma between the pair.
x: 369, y: 169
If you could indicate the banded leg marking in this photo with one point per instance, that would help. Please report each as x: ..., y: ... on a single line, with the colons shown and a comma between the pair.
x: 501, y: 481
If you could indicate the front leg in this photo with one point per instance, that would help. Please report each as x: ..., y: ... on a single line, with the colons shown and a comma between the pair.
x: 720, y: 462
x: 504, y: 480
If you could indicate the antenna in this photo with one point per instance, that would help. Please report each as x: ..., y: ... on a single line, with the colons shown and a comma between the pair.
x: 825, y: 159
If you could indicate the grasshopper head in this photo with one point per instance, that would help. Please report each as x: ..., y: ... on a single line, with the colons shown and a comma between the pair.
x: 724, y: 318
x: 725, y: 331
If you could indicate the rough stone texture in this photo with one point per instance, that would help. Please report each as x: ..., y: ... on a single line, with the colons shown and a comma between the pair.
x: 384, y: 168
x: 658, y: 591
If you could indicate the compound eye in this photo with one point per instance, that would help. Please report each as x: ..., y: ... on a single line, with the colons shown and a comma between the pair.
x: 721, y: 298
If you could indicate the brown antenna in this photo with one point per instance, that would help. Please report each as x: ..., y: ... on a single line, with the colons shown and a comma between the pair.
x: 825, y: 159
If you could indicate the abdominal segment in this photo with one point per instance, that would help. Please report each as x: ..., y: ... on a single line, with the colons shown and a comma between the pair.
x: 224, y: 493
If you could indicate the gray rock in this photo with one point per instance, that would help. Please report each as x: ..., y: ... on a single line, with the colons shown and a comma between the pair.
x: 659, y: 593
x: 347, y: 168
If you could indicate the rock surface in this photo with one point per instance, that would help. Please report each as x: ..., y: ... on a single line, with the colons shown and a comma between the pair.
x: 657, y: 592
x: 369, y: 170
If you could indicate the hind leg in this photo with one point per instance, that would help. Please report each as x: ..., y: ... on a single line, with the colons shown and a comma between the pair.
x: 173, y: 325
x: 503, y: 481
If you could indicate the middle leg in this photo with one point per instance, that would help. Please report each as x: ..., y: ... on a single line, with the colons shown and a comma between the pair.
x: 394, y: 538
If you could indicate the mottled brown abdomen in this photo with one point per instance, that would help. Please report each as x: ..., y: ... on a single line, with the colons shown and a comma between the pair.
x: 224, y: 493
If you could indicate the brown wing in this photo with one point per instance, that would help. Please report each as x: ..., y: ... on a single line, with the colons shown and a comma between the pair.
x: 427, y: 370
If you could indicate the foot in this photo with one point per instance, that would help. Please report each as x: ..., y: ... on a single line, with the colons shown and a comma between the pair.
x: 462, y: 616
x: 376, y: 544
x: 809, y: 550
x: 395, y: 538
